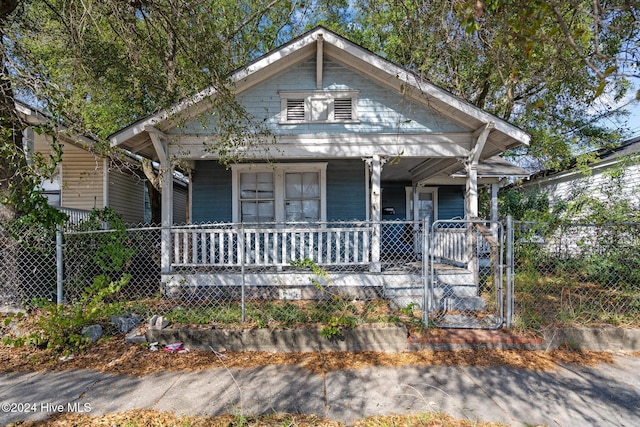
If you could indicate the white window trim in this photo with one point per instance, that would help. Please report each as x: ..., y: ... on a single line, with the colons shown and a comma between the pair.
x: 310, y: 95
x: 279, y: 170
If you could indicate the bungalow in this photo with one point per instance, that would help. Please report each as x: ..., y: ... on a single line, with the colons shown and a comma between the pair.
x: 358, y: 154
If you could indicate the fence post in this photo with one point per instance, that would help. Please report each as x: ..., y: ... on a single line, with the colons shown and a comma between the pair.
x: 510, y: 268
x: 426, y: 273
x: 59, y: 266
x: 241, y: 244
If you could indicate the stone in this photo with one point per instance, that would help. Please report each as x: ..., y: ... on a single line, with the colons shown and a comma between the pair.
x: 93, y: 332
x: 136, y: 336
x: 125, y: 322
x: 158, y: 322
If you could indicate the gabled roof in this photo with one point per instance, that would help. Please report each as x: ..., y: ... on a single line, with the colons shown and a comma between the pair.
x: 605, y: 158
x: 34, y: 116
x: 378, y: 69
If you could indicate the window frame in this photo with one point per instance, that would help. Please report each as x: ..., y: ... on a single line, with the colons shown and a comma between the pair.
x: 279, y: 170
x: 313, y: 97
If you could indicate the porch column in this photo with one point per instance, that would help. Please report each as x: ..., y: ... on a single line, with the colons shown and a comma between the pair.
x: 471, y: 197
x: 160, y: 144
x: 376, y: 212
x: 471, y: 194
x: 494, y: 200
x: 471, y: 166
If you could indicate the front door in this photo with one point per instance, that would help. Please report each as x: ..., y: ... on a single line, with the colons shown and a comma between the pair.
x: 422, y: 204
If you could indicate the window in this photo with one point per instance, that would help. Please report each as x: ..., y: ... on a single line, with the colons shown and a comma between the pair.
x: 279, y: 193
x: 302, y: 196
x: 52, y: 188
x: 257, y: 197
x: 318, y: 106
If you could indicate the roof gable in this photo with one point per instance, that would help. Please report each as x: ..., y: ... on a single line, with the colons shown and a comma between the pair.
x: 377, y: 108
x: 327, y: 44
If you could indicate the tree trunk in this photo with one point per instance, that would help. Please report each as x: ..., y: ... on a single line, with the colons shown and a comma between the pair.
x: 155, y: 191
x: 155, y: 202
x: 11, y: 137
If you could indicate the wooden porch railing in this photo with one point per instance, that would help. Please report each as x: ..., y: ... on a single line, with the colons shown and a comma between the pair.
x: 451, y: 244
x: 237, y: 245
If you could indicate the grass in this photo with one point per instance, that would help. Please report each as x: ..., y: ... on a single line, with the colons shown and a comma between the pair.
x: 146, y: 418
x: 567, y: 299
x: 286, y: 314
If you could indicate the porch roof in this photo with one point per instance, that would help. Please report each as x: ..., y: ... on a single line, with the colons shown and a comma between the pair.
x: 503, y: 136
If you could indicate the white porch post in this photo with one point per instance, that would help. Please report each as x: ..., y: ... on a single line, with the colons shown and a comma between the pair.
x: 471, y: 166
x: 494, y: 200
x: 376, y: 212
x: 160, y: 144
x: 471, y: 196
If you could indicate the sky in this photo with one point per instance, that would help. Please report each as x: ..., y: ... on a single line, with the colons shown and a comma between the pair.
x: 634, y: 119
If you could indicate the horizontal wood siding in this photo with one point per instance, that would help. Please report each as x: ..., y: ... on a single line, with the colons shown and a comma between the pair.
x: 450, y: 202
x: 82, y: 178
x: 126, y: 196
x: 346, y: 197
x: 570, y: 187
x: 380, y: 109
x: 394, y: 195
x: 180, y: 197
x: 346, y: 190
x: 211, y: 193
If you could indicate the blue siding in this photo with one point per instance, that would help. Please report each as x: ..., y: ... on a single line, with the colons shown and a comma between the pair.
x: 380, y: 110
x: 211, y: 193
x: 450, y: 202
x: 346, y: 190
x: 394, y: 195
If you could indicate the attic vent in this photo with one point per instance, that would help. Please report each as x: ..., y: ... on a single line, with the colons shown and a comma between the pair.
x: 295, y: 110
x: 342, y: 109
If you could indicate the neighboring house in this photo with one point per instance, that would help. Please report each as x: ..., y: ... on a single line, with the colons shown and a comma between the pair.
x: 84, y: 180
x: 568, y: 185
x: 355, y: 140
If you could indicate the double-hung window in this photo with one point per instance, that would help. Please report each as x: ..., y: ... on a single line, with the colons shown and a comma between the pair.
x: 286, y: 192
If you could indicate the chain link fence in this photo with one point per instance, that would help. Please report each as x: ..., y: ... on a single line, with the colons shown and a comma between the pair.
x: 332, y: 273
x: 576, y: 274
x: 28, y: 266
x: 465, y: 274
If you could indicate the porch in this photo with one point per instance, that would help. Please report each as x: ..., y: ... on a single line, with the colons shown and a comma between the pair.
x: 301, y: 261
x: 384, y: 246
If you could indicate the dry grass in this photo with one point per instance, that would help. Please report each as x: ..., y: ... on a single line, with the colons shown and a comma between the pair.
x: 150, y: 418
x: 115, y: 356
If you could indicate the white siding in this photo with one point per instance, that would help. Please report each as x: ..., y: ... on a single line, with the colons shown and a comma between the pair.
x: 568, y: 186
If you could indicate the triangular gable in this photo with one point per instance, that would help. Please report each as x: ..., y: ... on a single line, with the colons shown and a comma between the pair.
x: 503, y: 136
x: 382, y: 108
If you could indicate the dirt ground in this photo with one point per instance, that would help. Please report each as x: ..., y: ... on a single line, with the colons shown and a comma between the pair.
x: 115, y: 356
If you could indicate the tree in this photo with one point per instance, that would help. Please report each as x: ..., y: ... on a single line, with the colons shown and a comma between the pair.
x: 515, y: 60
x: 103, y: 64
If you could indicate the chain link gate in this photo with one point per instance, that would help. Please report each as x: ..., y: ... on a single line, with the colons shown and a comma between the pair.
x: 463, y: 273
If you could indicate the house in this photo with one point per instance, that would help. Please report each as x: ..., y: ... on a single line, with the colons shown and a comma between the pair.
x: 596, y: 179
x: 84, y: 180
x: 358, y: 151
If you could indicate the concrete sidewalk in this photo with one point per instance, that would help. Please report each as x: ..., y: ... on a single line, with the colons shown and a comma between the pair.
x: 606, y: 395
